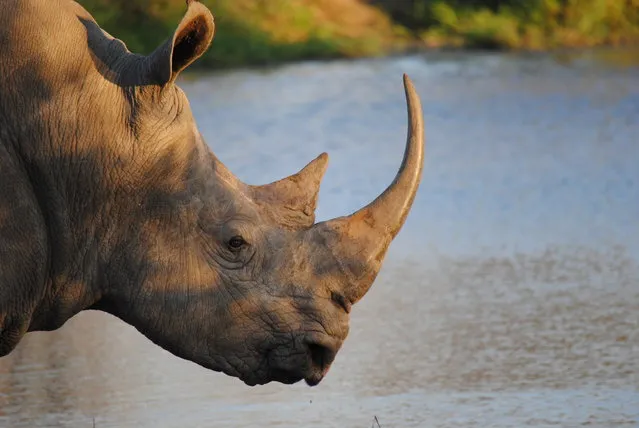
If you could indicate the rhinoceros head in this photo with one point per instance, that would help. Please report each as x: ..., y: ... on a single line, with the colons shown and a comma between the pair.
x: 238, y: 278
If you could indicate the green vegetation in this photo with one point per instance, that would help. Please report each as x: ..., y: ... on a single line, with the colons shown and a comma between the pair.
x: 268, y: 31
x: 256, y: 31
x: 526, y: 24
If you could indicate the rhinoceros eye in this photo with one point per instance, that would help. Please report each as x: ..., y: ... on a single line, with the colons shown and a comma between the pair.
x: 236, y: 243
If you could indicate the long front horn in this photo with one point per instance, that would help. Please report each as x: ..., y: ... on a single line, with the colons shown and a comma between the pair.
x: 359, y: 241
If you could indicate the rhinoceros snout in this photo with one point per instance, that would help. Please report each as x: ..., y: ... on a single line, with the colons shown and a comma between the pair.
x: 321, y: 357
x: 305, y: 358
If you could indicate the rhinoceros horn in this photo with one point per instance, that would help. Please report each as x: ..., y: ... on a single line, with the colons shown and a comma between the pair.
x: 360, y: 240
x: 290, y: 201
x: 296, y: 195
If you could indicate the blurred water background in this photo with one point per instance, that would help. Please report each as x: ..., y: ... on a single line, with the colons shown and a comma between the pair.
x: 510, y: 298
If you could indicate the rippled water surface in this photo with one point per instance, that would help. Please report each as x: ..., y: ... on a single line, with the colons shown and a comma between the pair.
x: 510, y: 298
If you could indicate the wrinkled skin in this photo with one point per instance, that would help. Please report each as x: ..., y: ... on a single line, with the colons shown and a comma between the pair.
x: 111, y: 200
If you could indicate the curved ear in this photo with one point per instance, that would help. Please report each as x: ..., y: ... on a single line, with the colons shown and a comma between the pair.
x: 293, y: 200
x: 191, y: 39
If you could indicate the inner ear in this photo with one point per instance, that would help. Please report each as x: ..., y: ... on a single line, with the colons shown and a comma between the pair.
x: 190, y: 43
x: 190, y: 40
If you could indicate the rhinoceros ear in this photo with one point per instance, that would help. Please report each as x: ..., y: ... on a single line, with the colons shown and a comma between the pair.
x: 191, y: 39
x: 292, y: 200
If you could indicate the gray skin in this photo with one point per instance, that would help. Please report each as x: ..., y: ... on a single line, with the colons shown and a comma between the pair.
x: 111, y: 200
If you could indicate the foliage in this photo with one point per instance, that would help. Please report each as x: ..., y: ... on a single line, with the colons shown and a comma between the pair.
x: 531, y: 24
x: 254, y: 31
x: 268, y: 31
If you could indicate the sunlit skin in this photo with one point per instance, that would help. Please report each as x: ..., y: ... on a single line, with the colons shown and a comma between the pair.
x: 111, y: 200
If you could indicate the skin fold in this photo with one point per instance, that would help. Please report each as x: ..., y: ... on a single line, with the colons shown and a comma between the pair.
x: 111, y: 200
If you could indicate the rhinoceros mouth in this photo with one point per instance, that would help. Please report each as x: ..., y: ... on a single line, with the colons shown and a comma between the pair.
x: 312, y: 374
x: 314, y: 379
x: 275, y: 375
x: 286, y: 377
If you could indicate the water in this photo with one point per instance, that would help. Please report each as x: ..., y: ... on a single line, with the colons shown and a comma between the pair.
x: 511, y: 297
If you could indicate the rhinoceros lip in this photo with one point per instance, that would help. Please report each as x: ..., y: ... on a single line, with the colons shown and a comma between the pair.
x: 274, y: 374
x: 285, y: 376
x: 314, y: 379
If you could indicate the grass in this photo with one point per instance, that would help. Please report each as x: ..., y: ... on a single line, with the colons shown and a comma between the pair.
x: 259, y: 32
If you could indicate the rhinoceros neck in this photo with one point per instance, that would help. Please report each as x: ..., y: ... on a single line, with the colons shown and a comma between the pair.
x: 108, y: 212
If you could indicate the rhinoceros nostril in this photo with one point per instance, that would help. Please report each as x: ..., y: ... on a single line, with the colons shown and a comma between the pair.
x: 321, y: 356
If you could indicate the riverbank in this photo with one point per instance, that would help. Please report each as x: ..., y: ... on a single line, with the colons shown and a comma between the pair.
x: 253, y: 32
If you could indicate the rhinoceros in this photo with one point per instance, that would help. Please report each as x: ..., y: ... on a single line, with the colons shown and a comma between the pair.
x: 111, y: 200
